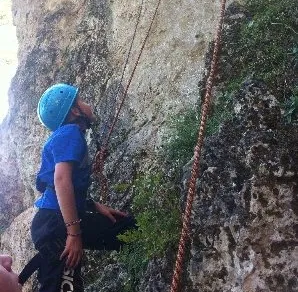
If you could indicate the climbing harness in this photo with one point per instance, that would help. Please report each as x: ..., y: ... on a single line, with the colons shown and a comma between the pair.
x: 98, y: 167
x: 197, y: 153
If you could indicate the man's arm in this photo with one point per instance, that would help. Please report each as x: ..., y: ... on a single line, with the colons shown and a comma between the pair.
x: 66, y: 198
x: 65, y: 194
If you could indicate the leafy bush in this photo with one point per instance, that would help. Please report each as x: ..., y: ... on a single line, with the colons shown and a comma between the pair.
x: 181, y: 138
x: 291, y: 107
x: 263, y: 46
x: 156, y: 207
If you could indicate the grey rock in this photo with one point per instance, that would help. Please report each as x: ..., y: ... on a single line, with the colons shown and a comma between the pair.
x: 245, y: 215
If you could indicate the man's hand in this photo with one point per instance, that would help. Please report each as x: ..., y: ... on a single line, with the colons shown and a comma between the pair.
x: 6, y: 262
x: 109, y: 212
x: 73, y: 251
x: 8, y: 279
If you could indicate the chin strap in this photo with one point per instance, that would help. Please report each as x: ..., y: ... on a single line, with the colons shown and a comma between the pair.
x: 83, y: 118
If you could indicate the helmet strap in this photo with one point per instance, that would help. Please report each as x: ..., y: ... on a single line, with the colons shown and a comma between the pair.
x: 83, y: 118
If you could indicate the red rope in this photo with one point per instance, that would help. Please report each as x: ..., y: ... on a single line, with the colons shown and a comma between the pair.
x: 197, y: 153
x: 130, y: 48
x: 132, y: 74
x: 100, y: 156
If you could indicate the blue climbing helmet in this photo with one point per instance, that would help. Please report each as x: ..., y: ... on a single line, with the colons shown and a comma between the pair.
x: 55, y: 103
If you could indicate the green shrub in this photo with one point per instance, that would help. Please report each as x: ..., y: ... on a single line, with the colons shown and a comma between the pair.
x: 181, y: 138
x: 156, y: 207
x: 291, y: 107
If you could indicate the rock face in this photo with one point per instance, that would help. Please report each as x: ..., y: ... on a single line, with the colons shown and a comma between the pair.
x: 245, y: 217
x: 86, y: 44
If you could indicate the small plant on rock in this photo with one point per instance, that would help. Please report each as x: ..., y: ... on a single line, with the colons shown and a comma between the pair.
x: 291, y: 107
x: 156, y: 207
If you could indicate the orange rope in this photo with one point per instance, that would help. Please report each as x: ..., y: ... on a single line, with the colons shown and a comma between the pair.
x: 197, y: 153
x: 100, y: 156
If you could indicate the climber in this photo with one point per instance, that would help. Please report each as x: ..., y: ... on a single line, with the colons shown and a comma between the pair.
x: 66, y: 221
x: 8, y: 279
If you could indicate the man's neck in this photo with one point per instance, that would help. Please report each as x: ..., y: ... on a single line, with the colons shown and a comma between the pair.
x: 81, y: 122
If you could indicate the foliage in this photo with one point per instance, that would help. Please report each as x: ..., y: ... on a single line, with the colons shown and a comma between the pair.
x: 291, y: 107
x: 156, y: 207
x: 263, y: 46
x: 132, y: 256
x: 180, y: 140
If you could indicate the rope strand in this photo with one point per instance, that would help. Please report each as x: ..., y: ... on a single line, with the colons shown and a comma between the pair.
x: 100, y: 156
x: 196, y: 164
x: 132, y: 74
x: 130, y: 48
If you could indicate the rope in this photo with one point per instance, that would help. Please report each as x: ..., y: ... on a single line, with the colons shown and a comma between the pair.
x: 132, y: 74
x: 197, y: 153
x: 130, y: 48
x: 100, y: 156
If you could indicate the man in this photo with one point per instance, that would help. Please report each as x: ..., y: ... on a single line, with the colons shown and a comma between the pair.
x: 62, y: 227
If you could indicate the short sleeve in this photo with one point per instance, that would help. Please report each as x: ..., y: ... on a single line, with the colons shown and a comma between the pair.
x: 68, y: 145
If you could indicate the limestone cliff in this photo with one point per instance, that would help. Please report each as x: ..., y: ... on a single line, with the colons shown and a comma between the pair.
x: 245, y: 218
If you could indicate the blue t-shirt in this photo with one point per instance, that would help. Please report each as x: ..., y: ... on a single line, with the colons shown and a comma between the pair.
x: 66, y: 144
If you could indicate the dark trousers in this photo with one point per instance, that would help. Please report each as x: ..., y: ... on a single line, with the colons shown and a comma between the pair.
x: 49, y: 235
